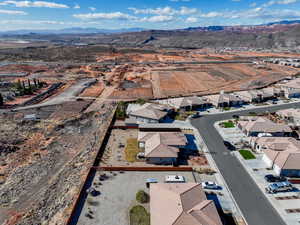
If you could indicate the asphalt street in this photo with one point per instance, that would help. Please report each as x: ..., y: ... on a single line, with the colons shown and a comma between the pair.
x: 255, y: 207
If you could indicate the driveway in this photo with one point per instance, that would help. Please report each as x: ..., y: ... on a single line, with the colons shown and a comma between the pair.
x: 252, y: 202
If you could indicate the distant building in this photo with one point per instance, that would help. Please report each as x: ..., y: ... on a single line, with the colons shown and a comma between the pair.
x: 147, y: 113
x: 291, y: 89
x: 185, y: 103
x: 280, y: 153
x: 161, y: 147
x: 224, y: 100
x: 291, y: 116
x: 263, y: 125
x: 257, y: 96
x: 181, y: 204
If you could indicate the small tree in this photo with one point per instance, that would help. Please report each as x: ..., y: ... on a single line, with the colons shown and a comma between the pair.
x: 1, y: 100
x: 142, y: 197
x: 141, y: 101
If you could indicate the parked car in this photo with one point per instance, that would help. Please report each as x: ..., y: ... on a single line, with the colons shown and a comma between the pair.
x: 271, y: 178
x: 140, y: 155
x: 279, y: 187
x: 151, y: 181
x: 174, y: 179
x: 210, y: 185
x: 229, y: 145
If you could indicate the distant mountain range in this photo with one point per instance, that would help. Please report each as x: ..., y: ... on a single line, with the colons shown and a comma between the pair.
x: 275, y: 26
x: 72, y: 30
x: 80, y: 30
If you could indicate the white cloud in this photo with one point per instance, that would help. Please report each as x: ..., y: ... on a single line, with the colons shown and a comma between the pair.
x: 279, y: 2
x: 253, y: 4
x: 76, y: 6
x: 158, y: 19
x: 165, y: 11
x: 212, y: 14
x: 191, y: 20
x: 114, y: 15
x: 12, y: 12
x: 92, y: 9
x: 38, y: 4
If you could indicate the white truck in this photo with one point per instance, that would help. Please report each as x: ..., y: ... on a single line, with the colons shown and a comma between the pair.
x: 174, y: 179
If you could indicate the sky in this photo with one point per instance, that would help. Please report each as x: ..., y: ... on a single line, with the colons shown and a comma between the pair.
x: 149, y: 14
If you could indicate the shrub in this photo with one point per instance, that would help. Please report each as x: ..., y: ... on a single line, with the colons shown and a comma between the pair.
x: 139, y: 216
x: 142, y: 197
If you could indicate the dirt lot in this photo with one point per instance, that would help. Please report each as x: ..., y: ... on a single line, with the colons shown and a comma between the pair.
x: 168, y: 79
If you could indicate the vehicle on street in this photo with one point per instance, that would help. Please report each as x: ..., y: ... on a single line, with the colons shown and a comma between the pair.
x: 235, y: 116
x: 271, y: 178
x: 174, y: 179
x: 229, y: 146
x: 279, y: 187
x: 151, y: 181
x: 210, y: 185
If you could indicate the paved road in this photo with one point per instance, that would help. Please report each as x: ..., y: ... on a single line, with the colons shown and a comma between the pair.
x: 67, y: 95
x: 252, y: 202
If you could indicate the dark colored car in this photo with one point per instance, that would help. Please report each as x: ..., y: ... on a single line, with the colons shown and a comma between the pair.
x: 229, y: 145
x: 271, y: 178
x: 235, y: 116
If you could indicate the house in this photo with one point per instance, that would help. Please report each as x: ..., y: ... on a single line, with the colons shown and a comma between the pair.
x: 281, y: 154
x: 224, y: 100
x: 271, y: 92
x: 263, y: 125
x: 185, y: 103
x: 250, y: 96
x: 291, y: 89
x: 291, y: 116
x: 161, y: 147
x: 256, y: 96
x: 147, y: 113
x: 181, y: 204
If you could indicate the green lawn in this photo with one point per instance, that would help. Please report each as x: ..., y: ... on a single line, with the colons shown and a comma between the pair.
x: 228, y: 124
x: 226, y: 108
x: 247, y: 154
x: 139, y: 216
x: 131, y: 150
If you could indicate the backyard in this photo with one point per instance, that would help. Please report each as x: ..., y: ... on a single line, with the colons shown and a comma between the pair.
x: 131, y: 150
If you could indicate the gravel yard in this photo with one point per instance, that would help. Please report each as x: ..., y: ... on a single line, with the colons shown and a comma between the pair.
x: 117, y: 196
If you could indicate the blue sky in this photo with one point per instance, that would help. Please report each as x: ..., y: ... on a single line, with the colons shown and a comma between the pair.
x: 152, y: 14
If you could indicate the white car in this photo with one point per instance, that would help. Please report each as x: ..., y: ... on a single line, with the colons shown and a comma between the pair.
x: 210, y: 185
x: 174, y: 179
